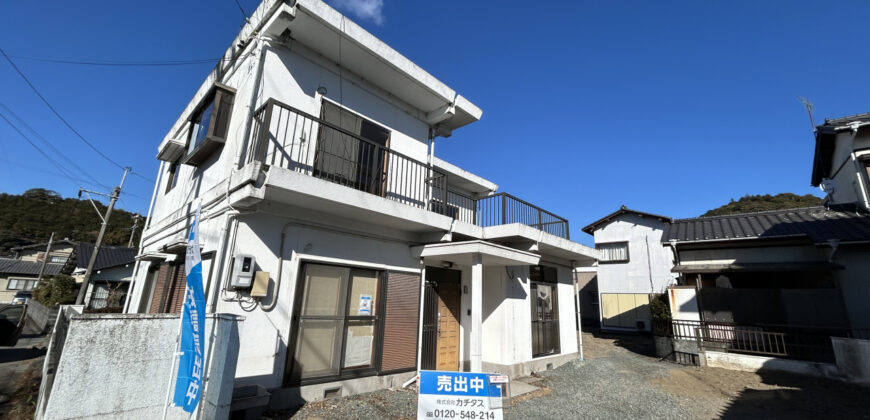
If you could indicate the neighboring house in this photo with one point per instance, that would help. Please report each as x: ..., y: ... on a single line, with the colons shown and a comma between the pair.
x: 59, y: 253
x: 803, y: 268
x: 113, y: 271
x: 632, y: 267
x: 17, y: 275
x: 354, y: 254
x: 800, y: 267
x: 587, y: 295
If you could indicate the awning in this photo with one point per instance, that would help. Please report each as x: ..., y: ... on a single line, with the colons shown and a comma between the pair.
x: 756, y: 267
x: 461, y: 253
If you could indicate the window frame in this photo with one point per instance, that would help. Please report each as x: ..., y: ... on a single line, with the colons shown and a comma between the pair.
x: 553, y: 282
x: 221, y: 98
x: 322, y: 167
x: 19, y: 280
x: 172, y: 180
x: 293, y: 378
x: 627, y: 252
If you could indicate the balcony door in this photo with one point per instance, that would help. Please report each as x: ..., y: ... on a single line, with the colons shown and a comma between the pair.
x: 355, y: 155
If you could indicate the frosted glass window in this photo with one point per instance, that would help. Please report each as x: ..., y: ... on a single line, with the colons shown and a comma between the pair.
x: 315, y: 348
x: 614, y: 252
x: 322, y: 290
x: 363, y: 293
x: 358, y: 344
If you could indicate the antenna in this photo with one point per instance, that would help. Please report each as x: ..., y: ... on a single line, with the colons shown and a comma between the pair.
x: 809, y: 106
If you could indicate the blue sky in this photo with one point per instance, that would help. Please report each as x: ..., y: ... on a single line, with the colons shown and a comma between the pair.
x: 668, y: 107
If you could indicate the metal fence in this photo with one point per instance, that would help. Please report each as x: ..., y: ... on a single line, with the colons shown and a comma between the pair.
x: 286, y: 137
x: 795, y: 342
x: 503, y: 208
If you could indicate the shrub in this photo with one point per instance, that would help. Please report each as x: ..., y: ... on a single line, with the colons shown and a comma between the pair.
x: 57, y: 290
x: 661, y: 310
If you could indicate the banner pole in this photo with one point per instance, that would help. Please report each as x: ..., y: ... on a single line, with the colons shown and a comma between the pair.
x: 175, y: 355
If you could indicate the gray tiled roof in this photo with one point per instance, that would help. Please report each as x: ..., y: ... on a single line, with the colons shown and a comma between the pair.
x: 865, y: 117
x: 109, y: 256
x: 14, y: 266
x: 816, y: 223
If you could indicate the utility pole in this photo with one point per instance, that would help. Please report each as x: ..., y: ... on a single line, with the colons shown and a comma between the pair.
x: 136, y: 218
x: 112, y: 199
x: 45, y: 260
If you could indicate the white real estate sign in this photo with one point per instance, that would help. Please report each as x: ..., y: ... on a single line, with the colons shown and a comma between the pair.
x: 458, y: 395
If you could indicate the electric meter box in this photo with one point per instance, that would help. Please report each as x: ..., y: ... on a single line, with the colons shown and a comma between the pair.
x: 243, y: 271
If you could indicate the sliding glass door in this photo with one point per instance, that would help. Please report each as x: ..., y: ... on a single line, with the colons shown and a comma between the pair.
x: 334, y: 322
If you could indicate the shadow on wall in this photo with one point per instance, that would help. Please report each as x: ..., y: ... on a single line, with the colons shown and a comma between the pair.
x: 793, y: 396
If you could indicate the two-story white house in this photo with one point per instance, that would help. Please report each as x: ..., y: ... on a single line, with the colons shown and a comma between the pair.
x: 355, y: 255
x: 632, y: 267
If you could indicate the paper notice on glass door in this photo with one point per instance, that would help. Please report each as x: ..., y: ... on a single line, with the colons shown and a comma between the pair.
x: 365, y: 304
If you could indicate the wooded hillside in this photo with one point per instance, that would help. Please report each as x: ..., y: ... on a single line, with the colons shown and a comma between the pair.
x: 754, y: 203
x: 31, y: 217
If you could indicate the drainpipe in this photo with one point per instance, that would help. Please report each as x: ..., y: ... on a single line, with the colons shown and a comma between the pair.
x: 430, y: 161
x: 577, y: 301
x: 280, y: 270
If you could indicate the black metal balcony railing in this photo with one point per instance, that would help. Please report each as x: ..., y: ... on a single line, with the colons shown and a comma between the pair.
x: 289, y: 138
x: 284, y: 136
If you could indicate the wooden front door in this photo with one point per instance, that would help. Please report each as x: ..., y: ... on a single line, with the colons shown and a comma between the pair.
x: 447, y: 348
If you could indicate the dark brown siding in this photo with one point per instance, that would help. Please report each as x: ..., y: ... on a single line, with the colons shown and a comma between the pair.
x: 168, y: 289
x: 159, y: 288
x: 401, y: 320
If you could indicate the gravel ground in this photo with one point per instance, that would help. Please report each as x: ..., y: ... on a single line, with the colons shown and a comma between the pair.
x: 619, y: 381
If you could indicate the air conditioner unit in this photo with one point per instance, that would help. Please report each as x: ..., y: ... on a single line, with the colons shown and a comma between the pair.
x: 642, y: 324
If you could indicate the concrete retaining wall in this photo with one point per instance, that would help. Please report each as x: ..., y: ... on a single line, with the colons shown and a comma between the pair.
x: 750, y: 363
x: 42, y: 316
x: 119, y: 366
x: 853, y: 358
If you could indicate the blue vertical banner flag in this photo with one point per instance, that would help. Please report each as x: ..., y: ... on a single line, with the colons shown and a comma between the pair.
x: 188, y: 385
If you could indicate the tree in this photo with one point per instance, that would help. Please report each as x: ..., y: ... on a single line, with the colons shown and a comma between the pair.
x: 766, y: 202
x: 30, y: 218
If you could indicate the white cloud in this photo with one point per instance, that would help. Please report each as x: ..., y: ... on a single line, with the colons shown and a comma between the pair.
x: 372, y: 10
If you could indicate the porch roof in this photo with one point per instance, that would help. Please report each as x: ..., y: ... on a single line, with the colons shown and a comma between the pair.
x: 756, y: 267
x: 461, y: 253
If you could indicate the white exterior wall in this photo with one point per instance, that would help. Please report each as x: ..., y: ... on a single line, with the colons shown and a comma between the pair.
x: 650, y: 262
x: 850, y: 181
x: 507, y: 322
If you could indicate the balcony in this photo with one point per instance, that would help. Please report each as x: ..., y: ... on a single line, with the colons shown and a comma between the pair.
x: 286, y: 137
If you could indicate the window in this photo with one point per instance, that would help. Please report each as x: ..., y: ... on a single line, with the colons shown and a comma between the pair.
x: 334, y: 322
x: 54, y: 259
x: 172, y: 179
x: 545, y: 311
x: 345, y: 159
x: 613, y: 252
x: 209, y: 124
x: 21, y: 284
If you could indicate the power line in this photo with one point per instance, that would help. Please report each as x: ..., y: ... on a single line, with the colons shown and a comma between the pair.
x: 75, y: 182
x: 121, y: 63
x: 48, y: 143
x: 35, y: 90
x: 242, y: 9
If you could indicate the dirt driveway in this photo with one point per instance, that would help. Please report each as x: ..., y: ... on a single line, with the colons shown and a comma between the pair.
x: 618, y: 380
x: 722, y: 393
